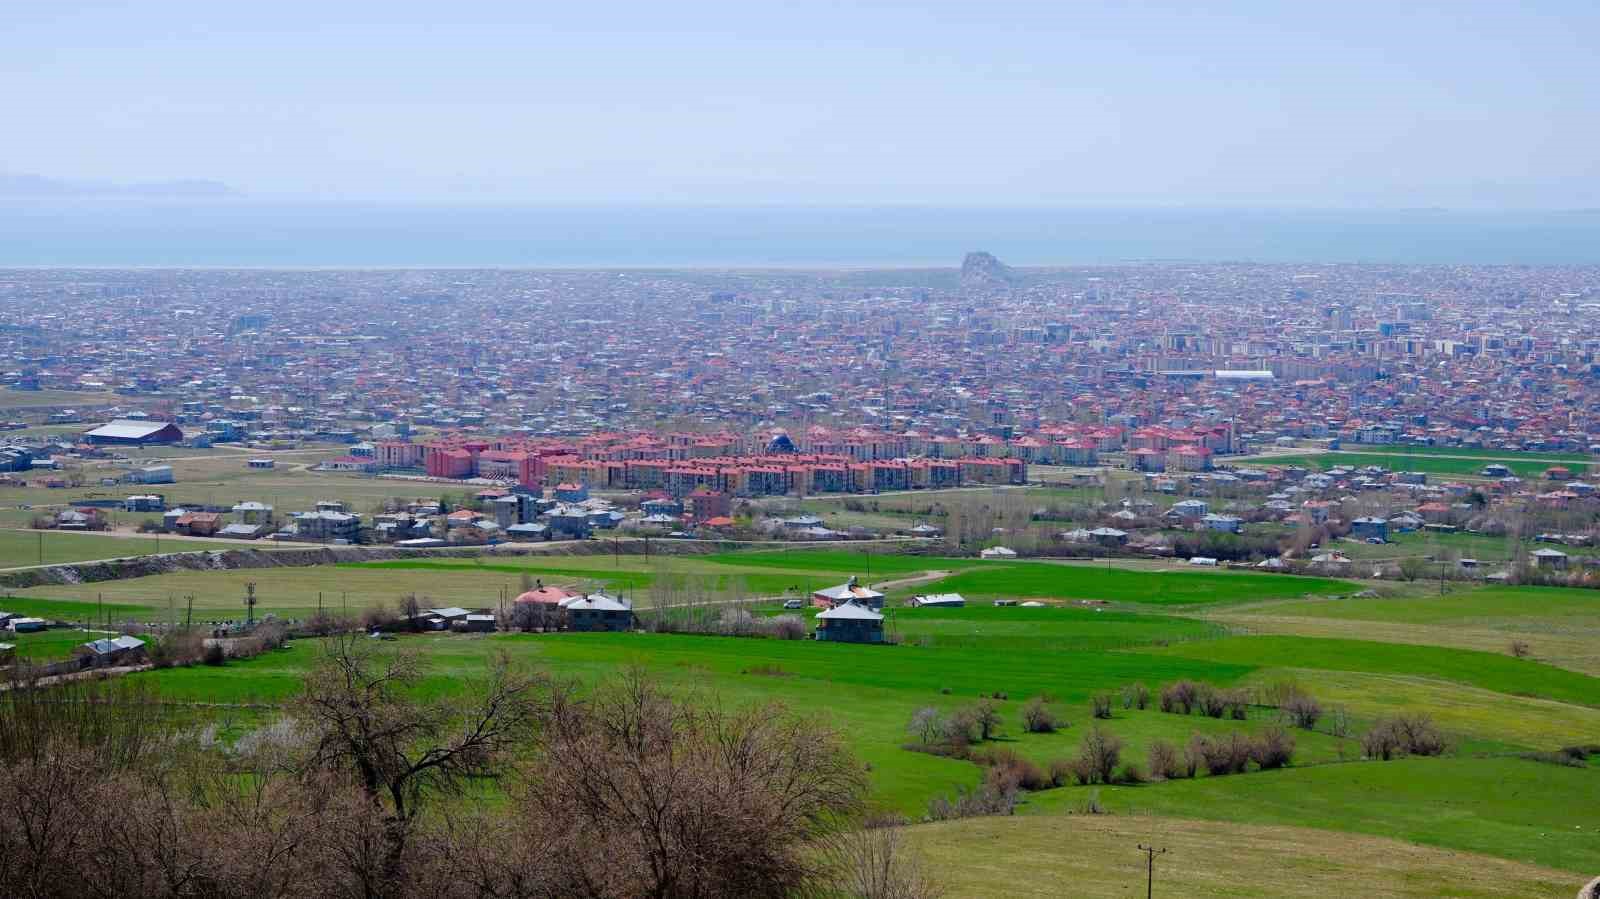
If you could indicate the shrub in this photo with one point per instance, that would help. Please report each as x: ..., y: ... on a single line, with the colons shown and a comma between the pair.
x: 1272, y: 748
x: 1179, y: 697
x: 926, y: 724
x: 1010, y: 771
x: 788, y: 627
x: 1223, y: 755
x: 1404, y: 734
x: 1100, y: 705
x: 1164, y: 761
x: 1339, y: 721
x: 876, y: 863
x: 1380, y: 743
x: 214, y: 653
x: 178, y: 648
x: 986, y: 716
x: 985, y: 800
x: 1302, y: 710
x: 1236, y: 703
x: 1131, y: 774
x: 959, y: 727
x: 1210, y: 701
x: 1061, y: 771
x: 1141, y: 696
x: 1098, y: 756
x: 1037, y: 718
x: 1418, y: 734
x: 1520, y: 649
x: 1191, y: 757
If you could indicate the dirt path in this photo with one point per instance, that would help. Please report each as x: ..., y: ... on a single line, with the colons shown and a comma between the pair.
x: 924, y: 578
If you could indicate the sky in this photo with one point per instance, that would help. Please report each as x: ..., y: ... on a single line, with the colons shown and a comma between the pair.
x: 996, y: 103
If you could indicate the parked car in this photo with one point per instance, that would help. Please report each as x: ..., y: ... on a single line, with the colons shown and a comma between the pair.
x: 793, y: 604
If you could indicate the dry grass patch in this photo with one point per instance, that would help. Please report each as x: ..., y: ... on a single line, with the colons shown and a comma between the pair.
x: 999, y: 857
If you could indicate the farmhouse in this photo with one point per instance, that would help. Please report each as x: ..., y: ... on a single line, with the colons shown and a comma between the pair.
x: 131, y: 432
x: 849, y: 591
x: 850, y: 622
x: 599, y: 612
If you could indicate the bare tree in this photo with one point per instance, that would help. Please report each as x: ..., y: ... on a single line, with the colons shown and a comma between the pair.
x: 400, y: 749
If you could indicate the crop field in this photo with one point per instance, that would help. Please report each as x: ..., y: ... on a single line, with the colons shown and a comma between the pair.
x: 1451, y: 466
x: 11, y: 400
x: 1550, y: 458
x: 1176, y: 588
x: 1560, y: 626
x: 23, y: 547
x: 1482, y: 819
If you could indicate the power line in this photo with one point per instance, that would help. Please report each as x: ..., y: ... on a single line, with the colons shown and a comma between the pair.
x: 1150, y: 867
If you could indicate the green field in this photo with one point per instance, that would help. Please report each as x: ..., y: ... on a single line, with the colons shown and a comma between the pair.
x: 1165, y: 625
x: 11, y: 400
x: 19, y: 548
x: 1100, y: 581
x: 1560, y: 626
x: 1470, y: 452
x: 1449, y: 466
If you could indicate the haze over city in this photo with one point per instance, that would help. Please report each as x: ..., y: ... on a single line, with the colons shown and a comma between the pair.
x: 1463, y: 104
x: 803, y: 450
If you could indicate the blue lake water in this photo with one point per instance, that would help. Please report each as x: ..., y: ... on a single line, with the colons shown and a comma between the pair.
x: 257, y: 233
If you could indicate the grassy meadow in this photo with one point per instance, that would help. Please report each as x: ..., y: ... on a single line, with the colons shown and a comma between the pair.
x: 1482, y: 819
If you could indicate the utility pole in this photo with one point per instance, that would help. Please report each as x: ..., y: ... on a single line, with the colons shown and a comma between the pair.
x: 249, y: 604
x: 1150, y: 867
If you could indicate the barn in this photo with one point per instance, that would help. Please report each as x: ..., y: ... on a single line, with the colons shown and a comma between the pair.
x: 129, y: 432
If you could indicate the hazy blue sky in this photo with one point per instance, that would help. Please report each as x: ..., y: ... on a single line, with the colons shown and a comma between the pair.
x: 980, y: 101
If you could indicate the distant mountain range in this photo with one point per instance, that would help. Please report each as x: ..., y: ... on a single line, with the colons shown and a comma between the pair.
x: 18, y: 185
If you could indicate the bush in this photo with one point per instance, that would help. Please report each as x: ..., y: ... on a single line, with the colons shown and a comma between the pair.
x: 1179, y: 697
x: 1131, y: 774
x: 1140, y: 696
x: 926, y: 725
x: 1273, y: 748
x: 214, y: 654
x: 1100, y: 705
x: 959, y: 728
x: 985, y: 800
x: 178, y: 648
x: 1037, y: 718
x: 788, y: 627
x: 1405, y: 734
x: 1098, y: 756
x: 1210, y: 701
x: 1302, y: 710
x: 1010, y: 771
x: 1236, y: 703
x: 1164, y: 761
x: 1222, y: 755
x: 1520, y: 649
x: 986, y: 716
x: 1418, y: 734
x: 1061, y: 771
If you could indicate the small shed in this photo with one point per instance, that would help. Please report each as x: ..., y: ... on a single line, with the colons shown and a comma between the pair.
x: 112, y: 650
x: 938, y: 600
